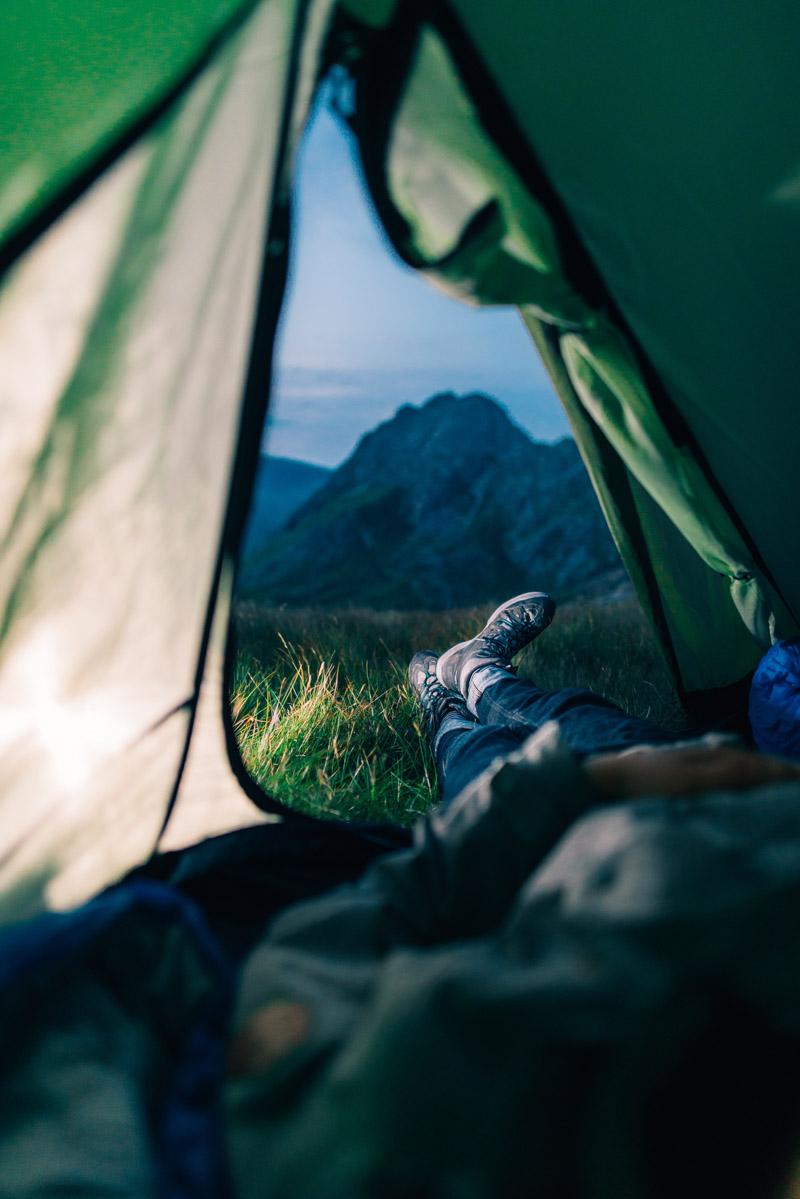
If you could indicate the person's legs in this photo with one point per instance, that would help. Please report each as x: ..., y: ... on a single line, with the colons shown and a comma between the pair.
x: 511, y: 709
x: 463, y: 751
x: 461, y: 747
x: 480, y: 670
x: 589, y: 723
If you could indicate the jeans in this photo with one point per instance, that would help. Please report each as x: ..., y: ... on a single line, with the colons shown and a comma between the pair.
x: 510, y: 709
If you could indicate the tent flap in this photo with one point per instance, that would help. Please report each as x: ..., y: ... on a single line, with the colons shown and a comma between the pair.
x: 130, y: 325
x: 483, y: 221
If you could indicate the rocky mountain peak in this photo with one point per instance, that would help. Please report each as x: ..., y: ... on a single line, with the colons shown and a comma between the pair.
x: 473, y: 424
x: 446, y: 504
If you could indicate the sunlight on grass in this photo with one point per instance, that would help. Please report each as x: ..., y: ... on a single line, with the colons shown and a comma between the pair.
x: 325, y: 720
x: 329, y: 743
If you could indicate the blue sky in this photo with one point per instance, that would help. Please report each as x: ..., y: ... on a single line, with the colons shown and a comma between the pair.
x: 362, y: 334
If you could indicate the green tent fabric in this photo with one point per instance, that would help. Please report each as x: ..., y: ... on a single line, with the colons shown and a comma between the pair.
x: 77, y: 79
x: 128, y: 330
x: 470, y: 197
x: 627, y: 176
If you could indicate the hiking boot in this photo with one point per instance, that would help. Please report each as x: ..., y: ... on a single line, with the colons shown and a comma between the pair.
x: 435, y: 700
x: 509, y: 629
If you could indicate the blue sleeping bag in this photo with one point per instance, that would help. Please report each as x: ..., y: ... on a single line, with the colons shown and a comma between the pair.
x: 775, y: 700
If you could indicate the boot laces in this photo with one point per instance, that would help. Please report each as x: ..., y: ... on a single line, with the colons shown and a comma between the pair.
x: 509, y: 632
x: 436, y: 700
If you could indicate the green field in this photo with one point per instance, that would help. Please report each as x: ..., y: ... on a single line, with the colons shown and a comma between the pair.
x: 326, y: 723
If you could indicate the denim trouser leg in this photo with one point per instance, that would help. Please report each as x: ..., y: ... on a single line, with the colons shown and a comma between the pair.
x: 510, y: 709
x: 589, y: 723
x: 462, y: 753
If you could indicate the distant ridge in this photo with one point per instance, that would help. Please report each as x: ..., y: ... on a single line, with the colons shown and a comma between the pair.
x: 445, y: 505
x: 282, y: 486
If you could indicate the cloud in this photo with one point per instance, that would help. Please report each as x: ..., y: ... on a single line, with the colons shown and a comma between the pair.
x: 317, y: 391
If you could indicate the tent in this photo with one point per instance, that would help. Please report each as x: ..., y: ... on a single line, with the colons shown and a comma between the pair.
x: 626, y: 174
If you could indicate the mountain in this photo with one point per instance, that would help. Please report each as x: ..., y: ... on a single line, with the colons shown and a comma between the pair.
x: 445, y: 505
x: 282, y: 486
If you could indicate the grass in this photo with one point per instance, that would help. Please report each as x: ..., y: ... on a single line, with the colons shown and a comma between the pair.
x: 325, y: 721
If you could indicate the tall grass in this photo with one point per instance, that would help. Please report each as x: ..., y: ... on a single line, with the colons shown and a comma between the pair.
x: 327, y: 741
x: 325, y: 720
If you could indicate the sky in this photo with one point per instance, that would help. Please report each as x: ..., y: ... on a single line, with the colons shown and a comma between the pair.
x: 362, y: 334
